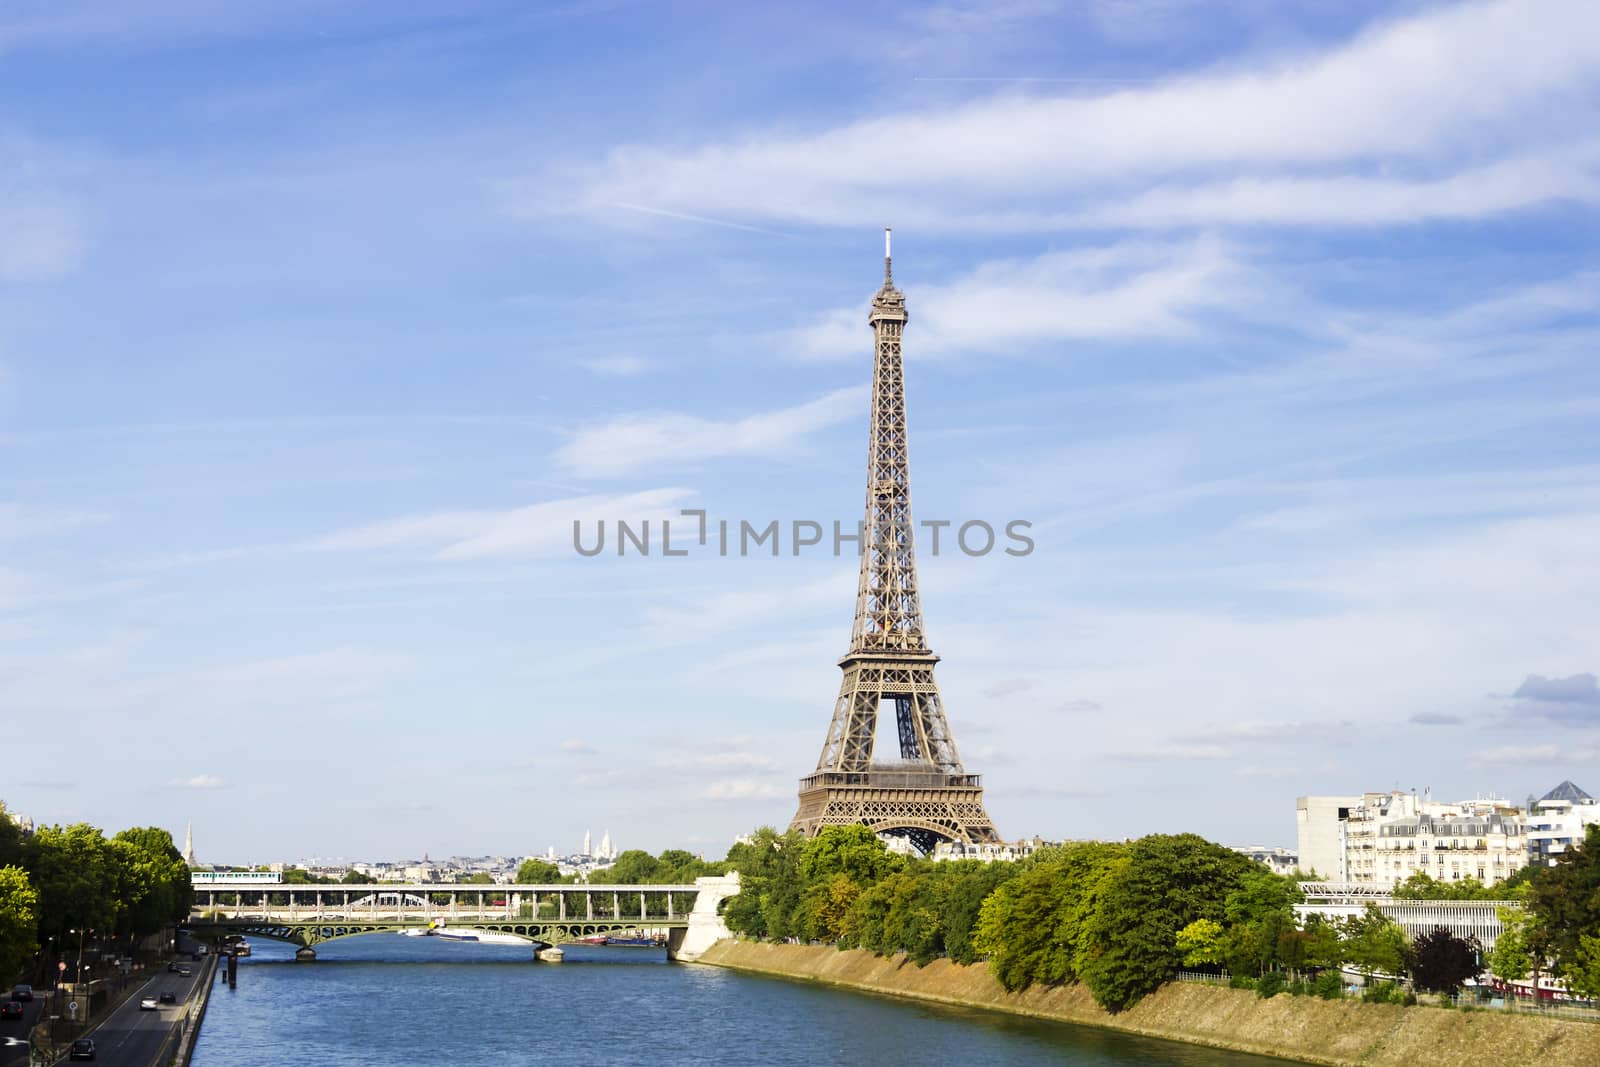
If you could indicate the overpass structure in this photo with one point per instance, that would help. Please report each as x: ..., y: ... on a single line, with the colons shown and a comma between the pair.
x: 543, y: 915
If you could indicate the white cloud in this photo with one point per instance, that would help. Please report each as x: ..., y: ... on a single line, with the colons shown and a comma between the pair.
x: 1006, y: 687
x: 1181, y: 752
x: 1474, y: 192
x: 720, y: 761
x: 629, y: 443
x: 1254, y: 770
x: 577, y: 747
x: 618, y: 366
x: 544, y: 529
x: 41, y: 237
x: 1132, y: 290
x: 741, y: 789
x: 17, y: 522
x: 199, y: 781
x: 1518, y: 755
x: 1418, y: 92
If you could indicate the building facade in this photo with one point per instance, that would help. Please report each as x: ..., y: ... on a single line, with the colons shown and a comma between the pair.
x: 1558, y: 820
x: 1382, y: 839
x: 1320, y: 834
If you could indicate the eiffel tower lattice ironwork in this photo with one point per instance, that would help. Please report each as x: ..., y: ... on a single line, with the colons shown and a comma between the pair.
x: 926, y: 795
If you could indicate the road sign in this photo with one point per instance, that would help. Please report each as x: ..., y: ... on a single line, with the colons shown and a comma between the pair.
x: 72, y: 1006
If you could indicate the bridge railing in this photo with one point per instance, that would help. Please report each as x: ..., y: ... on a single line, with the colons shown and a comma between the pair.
x: 394, y: 902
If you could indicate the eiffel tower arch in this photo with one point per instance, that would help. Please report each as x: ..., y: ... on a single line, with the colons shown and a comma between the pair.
x: 926, y: 794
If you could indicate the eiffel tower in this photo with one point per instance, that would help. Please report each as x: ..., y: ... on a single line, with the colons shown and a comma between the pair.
x: 926, y: 795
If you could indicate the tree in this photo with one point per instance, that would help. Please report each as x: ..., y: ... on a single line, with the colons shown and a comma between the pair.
x: 1201, y: 943
x: 1323, y: 947
x: 633, y: 867
x: 19, y: 920
x: 1565, y: 903
x: 1032, y: 925
x: 1441, y: 962
x: 1583, y: 973
x: 1373, y: 943
x: 827, y: 906
x: 1260, y: 912
x: 537, y: 872
x: 1419, y: 886
x: 854, y: 851
x: 1163, y: 883
x: 480, y: 878
x: 355, y: 877
x: 1511, y: 959
x: 769, y: 883
x: 72, y: 871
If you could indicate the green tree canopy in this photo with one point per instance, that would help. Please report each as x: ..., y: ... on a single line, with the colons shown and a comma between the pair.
x: 1374, y: 943
x: 1564, y: 901
x: 537, y: 872
x: 19, y: 920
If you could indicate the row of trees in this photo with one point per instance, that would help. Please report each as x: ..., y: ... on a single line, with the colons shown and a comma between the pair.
x: 1124, y: 917
x: 1557, y: 931
x: 1106, y: 914
x: 59, y: 882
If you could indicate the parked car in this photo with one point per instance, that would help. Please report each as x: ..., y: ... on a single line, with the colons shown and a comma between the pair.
x: 82, y: 1049
x: 11, y: 1009
x: 148, y: 1004
x: 168, y: 998
x: 22, y: 992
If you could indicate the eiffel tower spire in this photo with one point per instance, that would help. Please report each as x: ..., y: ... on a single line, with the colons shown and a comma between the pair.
x: 926, y: 795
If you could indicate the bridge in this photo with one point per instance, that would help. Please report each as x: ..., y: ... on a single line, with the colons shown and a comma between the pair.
x: 543, y: 915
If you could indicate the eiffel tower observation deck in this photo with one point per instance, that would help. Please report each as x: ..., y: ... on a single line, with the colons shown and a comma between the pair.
x: 926, y: 794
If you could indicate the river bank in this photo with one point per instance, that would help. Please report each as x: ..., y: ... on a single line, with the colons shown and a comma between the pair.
x: 1337, y: 1033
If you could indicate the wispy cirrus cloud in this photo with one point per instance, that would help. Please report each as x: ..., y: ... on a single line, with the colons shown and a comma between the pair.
x: 733, y: 789
x: 1176, y: 752
x: 1112, y: 292
x: 199, y: 781
x: 1412, y: 92
x: 1519, y: 755
x: 628, y: 443
x: 541, y: 529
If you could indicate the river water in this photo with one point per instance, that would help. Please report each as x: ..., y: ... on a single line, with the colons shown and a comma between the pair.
x: 392, y: 1000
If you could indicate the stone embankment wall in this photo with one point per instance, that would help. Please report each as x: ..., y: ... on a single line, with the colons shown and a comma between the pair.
x: 1338, y: 1032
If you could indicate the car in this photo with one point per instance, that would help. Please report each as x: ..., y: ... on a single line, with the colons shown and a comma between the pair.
x: 168, y: 998
x: 11, y: 1009
x: 22, y: 992
x: 184, y: 972
x: 148, y: 1004
x: 82, y: 1049
x: 172, y: 968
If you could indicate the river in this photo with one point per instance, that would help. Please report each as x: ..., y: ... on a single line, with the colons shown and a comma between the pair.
x: 388, y: 1000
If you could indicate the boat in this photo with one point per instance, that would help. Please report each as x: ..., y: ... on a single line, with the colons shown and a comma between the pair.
x: 634, y: 942
x: 481, y: 937
x: 594, y: 939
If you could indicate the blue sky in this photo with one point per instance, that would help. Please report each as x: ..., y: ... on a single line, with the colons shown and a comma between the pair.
x: 321, y: 322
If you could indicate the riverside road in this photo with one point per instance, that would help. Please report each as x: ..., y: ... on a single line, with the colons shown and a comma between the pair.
x: 127, y: 1037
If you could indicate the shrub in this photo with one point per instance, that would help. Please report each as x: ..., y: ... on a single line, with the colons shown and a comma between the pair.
x: 1382, y: 993
x: 1270, y: 985
x: 1241, y: 981
x: 1329, y: 985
